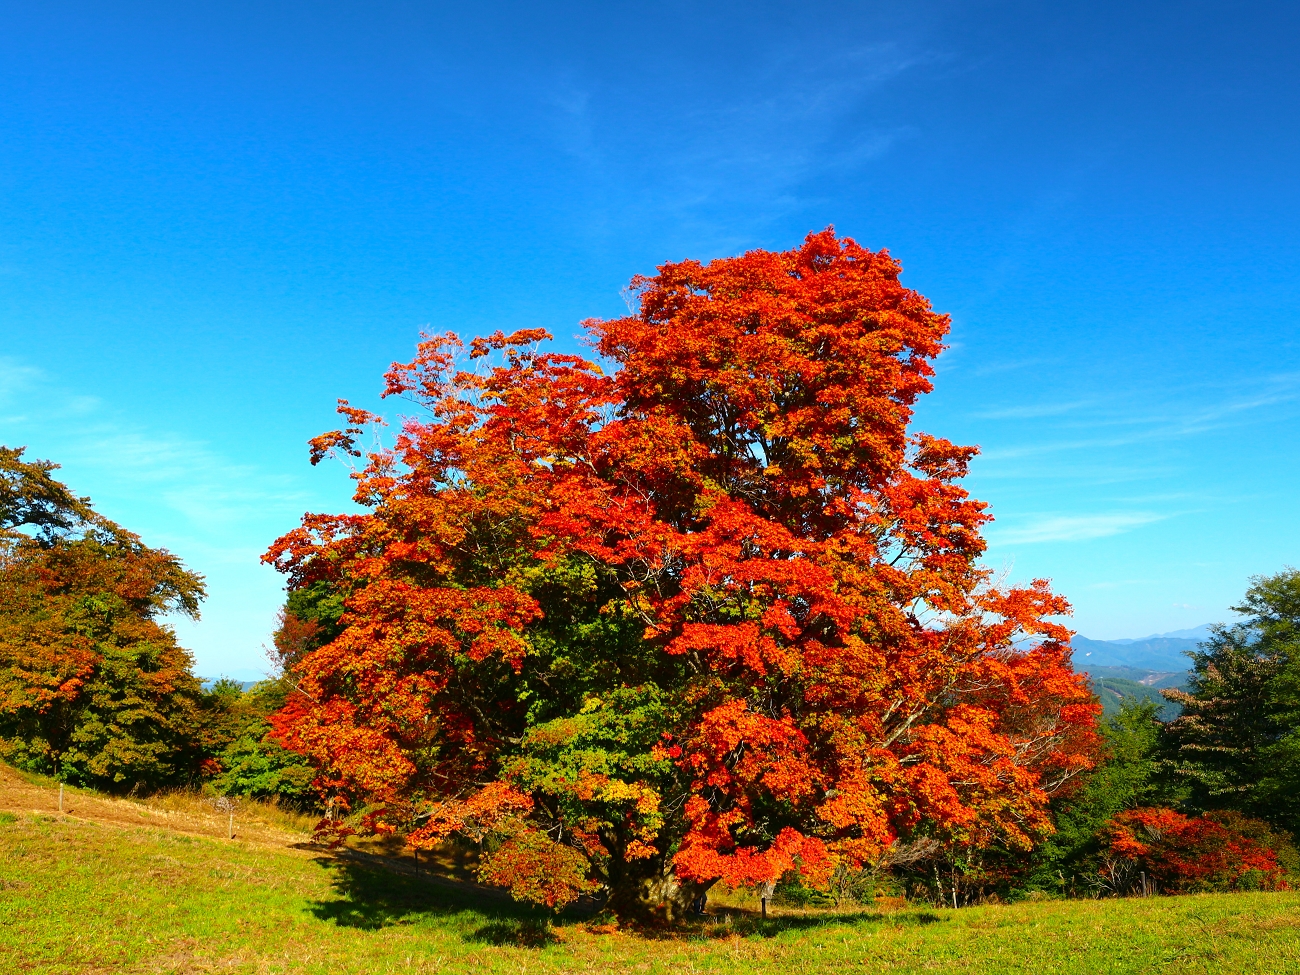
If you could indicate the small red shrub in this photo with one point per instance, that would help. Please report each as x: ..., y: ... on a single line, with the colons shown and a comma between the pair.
x: 1182, y: 854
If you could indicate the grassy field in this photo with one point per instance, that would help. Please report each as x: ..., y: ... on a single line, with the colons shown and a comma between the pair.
x: 119, y: 886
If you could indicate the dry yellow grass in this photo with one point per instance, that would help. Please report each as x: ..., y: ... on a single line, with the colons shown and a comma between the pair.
x: 178, y: 810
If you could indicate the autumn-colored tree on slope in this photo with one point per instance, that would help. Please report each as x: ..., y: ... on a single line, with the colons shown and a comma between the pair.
x: 93, y: 686
x: 712, y: 614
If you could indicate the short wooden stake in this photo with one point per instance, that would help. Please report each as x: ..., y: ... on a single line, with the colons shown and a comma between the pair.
x: 231, y: 826
x: 60, y: 798
x: 764, y: 900
x: 417, y: 861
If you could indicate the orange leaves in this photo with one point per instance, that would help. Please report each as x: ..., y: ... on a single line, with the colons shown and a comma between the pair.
x: 523, y: 859
x: 858, y: 811
x: 736, y: 751
x: 1024, y: 610
x: 741, y: 645
x: 751, y: 867
x: 343, y: 442
x: 817, y: 352
x: 499, y: 340
x: 487, y: 811
x: 736, y: 525
x: 941, y: 459
x: 965, y: 777
x: 1216, y: 851
x: 535, y: 868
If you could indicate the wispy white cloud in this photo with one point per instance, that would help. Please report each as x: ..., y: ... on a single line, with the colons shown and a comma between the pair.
x: 1084, y: 470
x: 40, y: 397
x: 1070, y: 528
x: 765, y: 142
x: 217, y: 512
x: 1009, y: 365
x: 1033, y: 410
x: 572, y: 121
x: 210, y: 491
x: 15, y: 378
x: 1118, y: 583
x: 1093, y: 425
x: 186, y: 489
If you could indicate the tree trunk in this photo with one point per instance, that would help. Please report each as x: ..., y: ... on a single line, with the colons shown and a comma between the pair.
x: 656, y: 892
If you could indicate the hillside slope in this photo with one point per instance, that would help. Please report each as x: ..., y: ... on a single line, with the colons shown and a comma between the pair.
x: 81, y: 895
x: 1113, y: 685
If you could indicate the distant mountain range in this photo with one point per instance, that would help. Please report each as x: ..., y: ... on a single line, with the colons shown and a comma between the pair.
x: 1163, y: 653
x: 1140, y: 667
x: 1194, y: 633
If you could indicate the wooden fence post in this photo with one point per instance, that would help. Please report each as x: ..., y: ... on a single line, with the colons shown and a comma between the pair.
x: 768, y: 888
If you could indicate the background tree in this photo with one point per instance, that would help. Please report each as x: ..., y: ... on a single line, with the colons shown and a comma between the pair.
x: 93, y: 686
x: 235, y: 737
x: 1236, y: 744
x: 30, y: 498
x: 712, y: 615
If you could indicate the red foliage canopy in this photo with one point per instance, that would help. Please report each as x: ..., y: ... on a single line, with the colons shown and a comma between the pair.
x: 714, y: 614
x: 1182, y: 854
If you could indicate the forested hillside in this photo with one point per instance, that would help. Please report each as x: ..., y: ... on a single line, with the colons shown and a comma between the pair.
x: 1136, y: 669
x: 1113, y: 685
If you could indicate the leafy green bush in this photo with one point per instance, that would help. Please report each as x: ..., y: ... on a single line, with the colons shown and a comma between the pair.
x: 791, y: 892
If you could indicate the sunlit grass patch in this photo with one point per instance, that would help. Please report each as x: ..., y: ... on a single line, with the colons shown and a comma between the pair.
x: 168, y: 892
x: 78, y: 897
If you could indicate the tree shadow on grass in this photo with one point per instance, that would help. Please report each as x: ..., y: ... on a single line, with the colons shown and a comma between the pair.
x: 525, y: 933
x: 729, y: 922
x: 372, y: 898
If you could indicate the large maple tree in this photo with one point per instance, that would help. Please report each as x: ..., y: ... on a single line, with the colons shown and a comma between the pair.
x: 709, y: 612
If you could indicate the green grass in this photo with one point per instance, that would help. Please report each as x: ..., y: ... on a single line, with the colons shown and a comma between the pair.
x: 80, y: 896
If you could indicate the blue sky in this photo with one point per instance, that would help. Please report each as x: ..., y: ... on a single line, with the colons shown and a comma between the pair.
x: 217, y: 218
